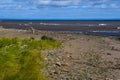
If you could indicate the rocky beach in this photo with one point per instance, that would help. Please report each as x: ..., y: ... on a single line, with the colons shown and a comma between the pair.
x: 80, y: 57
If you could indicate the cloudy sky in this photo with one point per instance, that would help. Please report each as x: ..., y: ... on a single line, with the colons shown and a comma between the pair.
x: 60, y: 9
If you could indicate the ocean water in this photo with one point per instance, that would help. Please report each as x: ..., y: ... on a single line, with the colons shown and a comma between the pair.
x: 94, y: 27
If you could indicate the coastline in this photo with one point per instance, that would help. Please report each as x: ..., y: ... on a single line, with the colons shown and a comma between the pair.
x: 67, y: 61
x: 100, y: 28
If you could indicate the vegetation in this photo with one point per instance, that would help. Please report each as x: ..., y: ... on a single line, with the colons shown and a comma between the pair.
x: 118, y: 38
x: 20, y: 59
x: 47, y: 38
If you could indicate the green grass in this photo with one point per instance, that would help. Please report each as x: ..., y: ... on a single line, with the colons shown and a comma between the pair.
x: 20, y: 59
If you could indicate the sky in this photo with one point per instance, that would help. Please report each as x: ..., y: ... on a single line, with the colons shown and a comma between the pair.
x: 60, y: 9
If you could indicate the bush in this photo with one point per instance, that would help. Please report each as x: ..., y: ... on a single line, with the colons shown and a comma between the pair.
x: 118, y: 38
x: 47, y: 38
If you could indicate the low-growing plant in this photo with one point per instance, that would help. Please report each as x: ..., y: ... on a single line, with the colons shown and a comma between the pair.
x: 118, y: 38
x: 7, y: 41
x: 47, y: 38
x: 20, y: 59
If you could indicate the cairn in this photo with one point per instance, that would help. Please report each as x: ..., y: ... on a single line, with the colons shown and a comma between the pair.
x: 33, y: 30
x: 118, y: 28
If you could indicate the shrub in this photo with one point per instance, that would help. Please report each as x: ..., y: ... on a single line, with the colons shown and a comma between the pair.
x: 118, y: 38
x: 47, y: 38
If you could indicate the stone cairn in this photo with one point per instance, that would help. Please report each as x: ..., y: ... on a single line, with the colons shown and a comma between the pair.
x: 33, y: 30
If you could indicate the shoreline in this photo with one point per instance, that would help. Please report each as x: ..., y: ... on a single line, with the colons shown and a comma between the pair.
x: 66, y: 32
x: 73, y: 56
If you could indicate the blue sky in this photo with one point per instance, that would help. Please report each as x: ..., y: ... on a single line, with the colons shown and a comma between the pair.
x: 60, y: 9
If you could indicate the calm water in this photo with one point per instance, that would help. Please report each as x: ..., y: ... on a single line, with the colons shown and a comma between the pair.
x: 104, y: 28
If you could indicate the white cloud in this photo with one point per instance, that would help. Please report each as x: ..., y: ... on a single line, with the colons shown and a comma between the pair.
x: 44, y: 2
x: 33, y: 4
x: 81, y: 3
x: 58, y: 2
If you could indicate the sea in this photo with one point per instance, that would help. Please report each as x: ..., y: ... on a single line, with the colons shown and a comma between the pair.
x: 89, y: 27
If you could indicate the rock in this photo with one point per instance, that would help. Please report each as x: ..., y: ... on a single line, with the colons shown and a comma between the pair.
x: 64, y: 64
x: 58, y: 64
x: 50, y: 79
x: 69, y: 56
x: 65, y: 70
x: 108, y: 79
x: 57, y: 72
x: 57, y: 59
x: 46, y: 59
x: 108, y: 53
x: 61, y: 64
x: 112, y: 47
x: 50, y: 73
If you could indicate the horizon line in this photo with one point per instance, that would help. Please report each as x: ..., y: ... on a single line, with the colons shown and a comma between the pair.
x: 59, y: 19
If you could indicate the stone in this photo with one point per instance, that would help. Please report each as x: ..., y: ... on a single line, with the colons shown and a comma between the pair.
x: 64, y: 64
x: 50, y: 79
x: 108, y: 53
x: 46, y: 59
x: 58, y: 64
x: 57, y: 72
x: 69, y: 56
